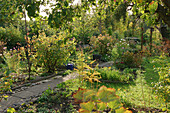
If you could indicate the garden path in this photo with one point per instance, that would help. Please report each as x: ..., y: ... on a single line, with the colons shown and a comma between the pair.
x: 32, y: 93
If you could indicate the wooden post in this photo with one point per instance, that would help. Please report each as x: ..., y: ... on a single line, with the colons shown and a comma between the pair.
x: 151, y: 30
x: 142, y: 40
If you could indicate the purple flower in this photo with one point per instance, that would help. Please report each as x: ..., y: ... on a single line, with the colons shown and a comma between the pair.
x: 10, y: 49
x: 71, y: 39
x: 4, y: 48
x: 14, y: 48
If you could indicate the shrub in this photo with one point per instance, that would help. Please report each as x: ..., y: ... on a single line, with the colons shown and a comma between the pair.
x: 131, y: 60
x: 12, y: 59
x: 2, y: 48
x: 53, y: 51
x: 122, y: 46
x: 162, y: 87
x: 6, y: 82
x: 113, y: 74
x: 11, y: 36
x: 114, y: 54
x: 103, y: 44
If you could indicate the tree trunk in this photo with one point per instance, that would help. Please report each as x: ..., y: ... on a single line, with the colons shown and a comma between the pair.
x: 165, y: 33
x: 164, y: 14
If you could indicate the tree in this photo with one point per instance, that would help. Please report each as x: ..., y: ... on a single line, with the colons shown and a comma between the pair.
x: 154, y: 12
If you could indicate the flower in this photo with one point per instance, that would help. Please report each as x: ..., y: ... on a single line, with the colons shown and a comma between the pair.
x: 4, y: 48
x: 108, y: 44
x: 21, y: 48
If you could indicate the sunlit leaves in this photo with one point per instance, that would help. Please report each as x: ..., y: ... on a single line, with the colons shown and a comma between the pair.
x: 101, y: 106
x: 153, y: 7
x: 11, y: 110
x: 89, y: 106
x: 53, y: 51
x: 79, y: 94
x: 92, y: 100
x: 123, y: 110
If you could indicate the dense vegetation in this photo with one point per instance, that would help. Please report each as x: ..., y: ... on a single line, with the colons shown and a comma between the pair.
x: 133, y: 35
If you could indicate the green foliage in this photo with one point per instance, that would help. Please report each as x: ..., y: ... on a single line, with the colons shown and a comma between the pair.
x: 91, y: 74
x: 131, y: 60
x: 51, y: 101
x: 7, y: 11
x: 58, y: 16
x: 11, y: 110
x: 163, y: 85
x: 115, y: 75
x: 12, y: 59
x: 141, y: 95
x: 122, y: 46
x: 103, y: 44
x: 11, y: 36
x: 115, y: 54
x: 53, y: 51
x: 82, y: 28
x: 120, y: 11
x: 99, y: 101
x: 67, y: 72
x: 40, y: 24
x: 6, y: 82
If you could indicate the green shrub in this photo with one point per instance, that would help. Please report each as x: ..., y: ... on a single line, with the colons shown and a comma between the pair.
x: 53, y: 51
x: 12, y: 59
x: 11, y: 36
x: 162, y: 87
x: 122, y: 46
x: 103, y: 45
x: 113, y: 74
x: 131, y: 60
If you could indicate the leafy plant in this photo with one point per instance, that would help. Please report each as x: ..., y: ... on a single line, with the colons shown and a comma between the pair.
x: 53, y: 51
x: 162, y: 86
x: 105, y: 99
x: 82, y: 67
x: 51, y: 101
x: 140, y: 96
x: 122, y: 46
x: 11, y: 36
x: 5, y: 85
x: 67, y: 72
x: 115, y: 54
x: 103, y: 44
x: 12, y: 59
x: 131, y: 60
x: 114, y: 75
